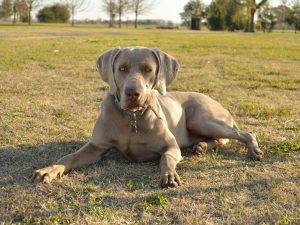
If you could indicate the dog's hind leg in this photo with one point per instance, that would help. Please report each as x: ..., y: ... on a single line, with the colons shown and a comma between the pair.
x: 218, y: 129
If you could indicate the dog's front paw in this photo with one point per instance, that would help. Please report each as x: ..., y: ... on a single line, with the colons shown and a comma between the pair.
x: 170, y: 179
x: 47, y: 174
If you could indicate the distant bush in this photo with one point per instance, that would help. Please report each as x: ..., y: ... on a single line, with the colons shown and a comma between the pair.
x: 56, y: 13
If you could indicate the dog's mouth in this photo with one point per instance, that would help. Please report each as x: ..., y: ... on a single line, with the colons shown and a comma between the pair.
x: 133, y: 106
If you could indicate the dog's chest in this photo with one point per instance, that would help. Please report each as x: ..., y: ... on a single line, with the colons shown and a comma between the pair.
x: 140, y: 148
x: 139, y: 143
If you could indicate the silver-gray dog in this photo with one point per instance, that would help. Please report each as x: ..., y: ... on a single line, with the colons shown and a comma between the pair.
x: 145, y: 124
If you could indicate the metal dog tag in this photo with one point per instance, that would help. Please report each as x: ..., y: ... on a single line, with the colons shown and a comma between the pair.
x: 133, y: 123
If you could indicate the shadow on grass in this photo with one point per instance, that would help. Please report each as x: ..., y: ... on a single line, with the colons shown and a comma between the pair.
x: 17, y: 164
x: 114, y: 183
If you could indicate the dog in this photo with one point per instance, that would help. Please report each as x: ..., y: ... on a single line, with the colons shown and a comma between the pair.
x: 144, y: 122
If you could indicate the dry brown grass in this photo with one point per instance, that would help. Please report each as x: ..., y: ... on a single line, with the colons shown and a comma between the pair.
x: 49, y: 97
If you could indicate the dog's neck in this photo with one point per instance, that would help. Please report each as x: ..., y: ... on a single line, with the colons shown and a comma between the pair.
x: 132, y: 114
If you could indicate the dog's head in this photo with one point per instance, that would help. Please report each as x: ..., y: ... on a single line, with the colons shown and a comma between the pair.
x: 133, y: 72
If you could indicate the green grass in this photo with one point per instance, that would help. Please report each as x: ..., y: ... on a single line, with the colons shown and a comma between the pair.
x: 49, y: 101
x: 154, y: 201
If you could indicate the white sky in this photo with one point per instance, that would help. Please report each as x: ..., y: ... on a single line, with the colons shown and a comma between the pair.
x: 163, y: 9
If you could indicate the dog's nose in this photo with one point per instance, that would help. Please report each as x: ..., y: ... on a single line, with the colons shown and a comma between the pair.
x: 132, y: 94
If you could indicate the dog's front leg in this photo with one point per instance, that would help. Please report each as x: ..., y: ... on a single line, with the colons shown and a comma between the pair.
x: 86, y: 155
x: 168, y: 161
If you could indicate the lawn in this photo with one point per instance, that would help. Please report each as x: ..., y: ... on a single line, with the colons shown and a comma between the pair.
x: 49, y: 100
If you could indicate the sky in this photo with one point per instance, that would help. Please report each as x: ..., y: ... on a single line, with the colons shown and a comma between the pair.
x: 163, y: 9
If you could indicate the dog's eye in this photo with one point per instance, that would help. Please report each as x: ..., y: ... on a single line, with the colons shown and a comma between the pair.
x: 148, y: 69
x: 122, y: 69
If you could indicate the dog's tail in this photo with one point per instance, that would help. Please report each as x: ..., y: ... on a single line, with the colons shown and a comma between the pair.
x: 235, y: 125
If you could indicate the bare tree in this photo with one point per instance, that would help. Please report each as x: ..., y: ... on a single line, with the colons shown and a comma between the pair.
x: 20, y: 9
x: 122, y: 7
x: 140, y: 7
x: 30, y: 5
x: 110, y: 7
x: 75, y: 6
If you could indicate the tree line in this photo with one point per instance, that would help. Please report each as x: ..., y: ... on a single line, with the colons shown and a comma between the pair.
x: 22, y: 10
x: 240, y: 14
x: 66, y: 10
x: 219, y: 14
x: 119, y: 8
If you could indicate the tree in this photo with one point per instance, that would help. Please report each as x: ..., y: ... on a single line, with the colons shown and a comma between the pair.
x: 15, y: 10
x: 140, y: 7
x: 251, y: 7
x: 235, y: 18
x: 6, y: 9
x: 75, y: 6
x: 267, y: 18
x: 194, y: 8
x: 122, y: 7
x: 216, y: 14
x: 110, y: 7
x: 293, y: 18
x: 31, y: 4
x: 226, y: 14
x: 282, y: 12
x: 20, y: 9
x: 27, y: 5
x: 56, y: 13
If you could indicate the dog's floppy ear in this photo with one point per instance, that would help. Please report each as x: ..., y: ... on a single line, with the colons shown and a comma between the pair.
x: 105, y: 67
x: 167, y: 70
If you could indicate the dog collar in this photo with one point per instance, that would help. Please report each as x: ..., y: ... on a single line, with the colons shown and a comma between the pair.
x: 132, y: 114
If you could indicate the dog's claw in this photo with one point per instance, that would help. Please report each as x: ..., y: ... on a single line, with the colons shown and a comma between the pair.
x: 170, y: 179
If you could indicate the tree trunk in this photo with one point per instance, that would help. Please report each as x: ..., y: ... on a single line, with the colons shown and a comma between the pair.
x: 14, y: 13
x: 112, y: 18
x: 29, y: 14
x: 14, y: 21
x: 250, y: 21
x: 136, y: 20
x: 72, y: 12
x: 120, y: 19
x: 251, y: 28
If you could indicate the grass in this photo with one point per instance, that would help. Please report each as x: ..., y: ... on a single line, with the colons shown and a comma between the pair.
x: 49, y: 97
